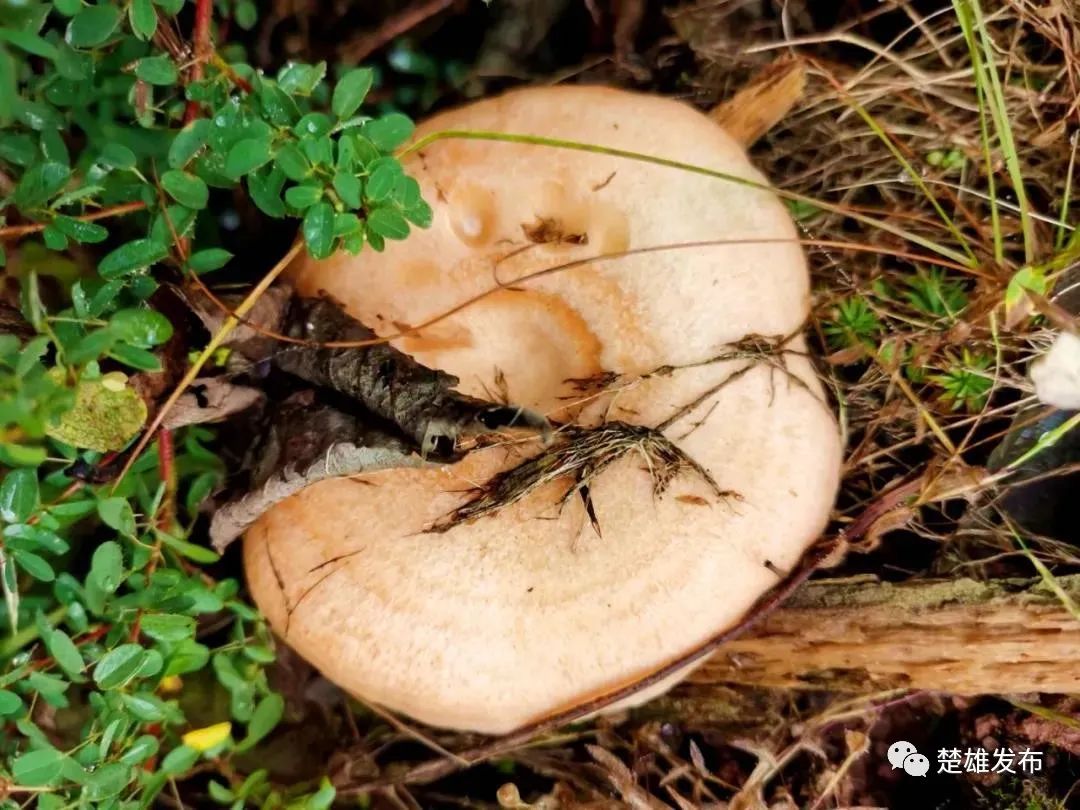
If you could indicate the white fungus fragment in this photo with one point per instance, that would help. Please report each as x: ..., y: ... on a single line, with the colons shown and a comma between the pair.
x: 1057, y: 373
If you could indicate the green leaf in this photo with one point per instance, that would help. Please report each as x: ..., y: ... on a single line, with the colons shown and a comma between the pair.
x: 297, y: 78
x: 388, y: 223
x: 35, y: 566
x: 383, y: 180
x: 186, y: 189
x: 132, y: 256
x: 54, y: 148
x: 266, y: 716
x: 118, y: 666
x: 10, y: 703
x: 35, y: 538
x: 64, y: 651
x: 141, y: 750
x: 170, y: 627
x: 179, y: 760
x: 278, y: 106
x: 203, y: 261
x: 92, y: 25
x: 190, y: 656
x: 420, y: 214
x: 81, y: 231
x: 265, y: 189
x: 304, y: 196
x: 319, y: 149
x: 40, y: 183
x: 292, y: 162
x: 197, y: 553
x: 106, y: 781
x: 74, y: 65
x: 158, y: 70
x: 175, y: 220
x: 54, y: 239
x: 38, y: 768
x: 389, y: 132
x: 141, y: 327
x: 143, y: 19
x: 245, y: 14
x: 90, y: 347
x: 188, y: 142
x: 136, y: 358
x: 323, y: 798
x: 114, y: 730
x: 107, y: 566
x: 37, y: 115
x: 259, y: 654
x: 246, y: 156
x: 313, y: 125
x: 49, y: 686
x: 118, y: 156
x: 151, y: 664
x: 116, y: 514
x: 72, y: 510
x: 29, y: 42
x: 319, y: 230
x: 144, y: 706
x: 18, y: 496
x: 351, y: 91
x: 219, y: 793
x: 18, y: 148
x: 349, y: 188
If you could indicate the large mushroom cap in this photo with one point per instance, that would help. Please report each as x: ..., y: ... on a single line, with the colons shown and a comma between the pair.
x: 511, y: 617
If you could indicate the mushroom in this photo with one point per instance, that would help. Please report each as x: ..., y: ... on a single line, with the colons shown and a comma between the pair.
x: 697, y: 460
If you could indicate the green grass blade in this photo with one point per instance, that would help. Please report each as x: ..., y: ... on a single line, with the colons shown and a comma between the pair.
x: 559, y: 143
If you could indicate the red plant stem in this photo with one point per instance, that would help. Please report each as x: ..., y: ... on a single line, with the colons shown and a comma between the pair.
x: 201, y: 36
x: 167, y: 471
x: 19, y: 231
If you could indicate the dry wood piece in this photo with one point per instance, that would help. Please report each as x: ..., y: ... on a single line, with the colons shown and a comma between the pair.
x: 764, y: 102
x: 958, y: 636
x: 696, y: 460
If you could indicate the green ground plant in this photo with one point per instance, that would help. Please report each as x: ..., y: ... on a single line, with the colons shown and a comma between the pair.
x: 114, y: 142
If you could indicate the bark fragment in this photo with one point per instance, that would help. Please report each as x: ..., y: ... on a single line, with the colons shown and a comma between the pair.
x: 390, y: 384
x: 960, y: 636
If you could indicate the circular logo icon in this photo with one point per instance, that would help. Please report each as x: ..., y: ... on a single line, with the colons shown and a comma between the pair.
x: 898, y: 751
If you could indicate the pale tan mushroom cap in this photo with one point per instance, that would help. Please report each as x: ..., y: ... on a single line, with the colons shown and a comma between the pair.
x: 510, y: 618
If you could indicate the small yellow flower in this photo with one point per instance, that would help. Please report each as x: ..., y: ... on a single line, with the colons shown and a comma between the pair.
x: 170, y: 685
x: 203, y: 739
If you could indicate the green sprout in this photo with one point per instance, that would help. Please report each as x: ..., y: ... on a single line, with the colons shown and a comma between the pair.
x: 966, y: 383
x: 933, y: 293
x: 853, y: 323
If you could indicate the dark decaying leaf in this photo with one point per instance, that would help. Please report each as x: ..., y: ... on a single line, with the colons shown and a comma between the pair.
x: 389, y: 384
x: 375, y: 407
x: 250, y: 340
x: 208, y: 400
x: 308, y: 441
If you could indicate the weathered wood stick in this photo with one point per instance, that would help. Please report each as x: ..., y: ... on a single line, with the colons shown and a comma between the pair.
x: 764, y: 102
x: 961, y: 636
